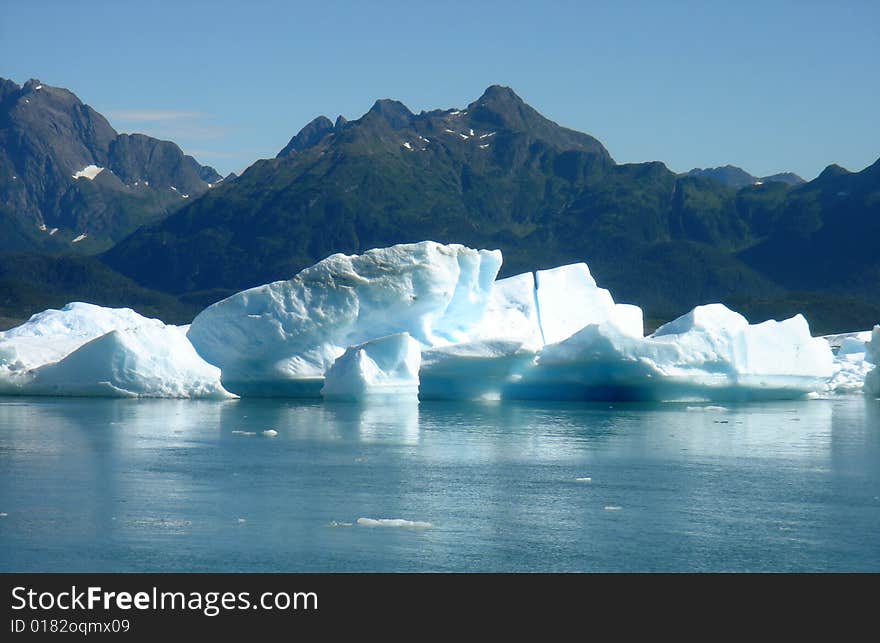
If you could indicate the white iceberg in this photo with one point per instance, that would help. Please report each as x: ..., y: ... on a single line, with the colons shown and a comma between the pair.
x: 711, y: 353
x: 429, y: 319
x: 381, y: 367
x: 53, y: 334
x: 280, y: 338
x: 87, y: 350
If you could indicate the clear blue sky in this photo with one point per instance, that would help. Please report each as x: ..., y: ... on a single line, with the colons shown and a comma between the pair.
x: 769, y: 86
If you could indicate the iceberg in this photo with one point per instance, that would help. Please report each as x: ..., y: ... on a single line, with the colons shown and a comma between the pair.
x: 53, y: 334
x: 430, y: 320
x: 387, y: 366
x: 280, y: 338
x: 711, y: 353
x: 87, y: 350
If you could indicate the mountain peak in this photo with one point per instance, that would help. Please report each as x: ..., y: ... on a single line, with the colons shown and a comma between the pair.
x: 832, y: 171
x: 393, y: 111
x: 308, y: 136
x: 500, y: 93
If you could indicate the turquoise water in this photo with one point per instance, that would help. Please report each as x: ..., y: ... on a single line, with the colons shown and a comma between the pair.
x: 159, y: 485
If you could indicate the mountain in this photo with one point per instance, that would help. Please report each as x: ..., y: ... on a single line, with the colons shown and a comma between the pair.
x: 736, y: 177
x: 827, y: 237
x: 495, y: 174
x: 66, y: 173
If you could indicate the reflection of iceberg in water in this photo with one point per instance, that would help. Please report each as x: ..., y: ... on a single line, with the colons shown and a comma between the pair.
x: 770, y: 430
x: 390, y: 421
x: 95, y: 473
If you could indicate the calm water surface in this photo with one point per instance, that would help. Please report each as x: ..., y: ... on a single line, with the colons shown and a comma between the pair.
x: 158, y: 485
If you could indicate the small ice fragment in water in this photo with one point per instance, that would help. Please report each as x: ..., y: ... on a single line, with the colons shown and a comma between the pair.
x: 583, y: 479
x: 393, y: 522
x: 3, y: 514
x: 244, y: 433
x: 270, y: 433
x: 334, y: 523
x: 706, y: 408
x: 241, y: 521
x: 612, y: 508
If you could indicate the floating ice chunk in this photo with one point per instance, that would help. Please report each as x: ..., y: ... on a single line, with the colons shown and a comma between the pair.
x: 270, y: 433
x: 79, y: 238
x: 711, y: 353
x: 53, y: 334
x: 280, y: 338
x: 393, y: 522
x: 719, y: 409
x: 88, y: 172
x: 147, y: 361
x: 84, y: 349
x: 407, y: 145
x: 583, y: 479
x: 241, y: 521
x: 385, y: 366
x: 3, y: 514
x: 42, y: 227
x: 239, y: 432
x: 612, y: 508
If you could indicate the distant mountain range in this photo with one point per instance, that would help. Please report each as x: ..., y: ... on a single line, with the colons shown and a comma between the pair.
x: 736, y: 177
x: 495, y: 174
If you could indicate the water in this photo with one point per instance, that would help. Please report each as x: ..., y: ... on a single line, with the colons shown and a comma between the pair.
x: 124, y: 485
